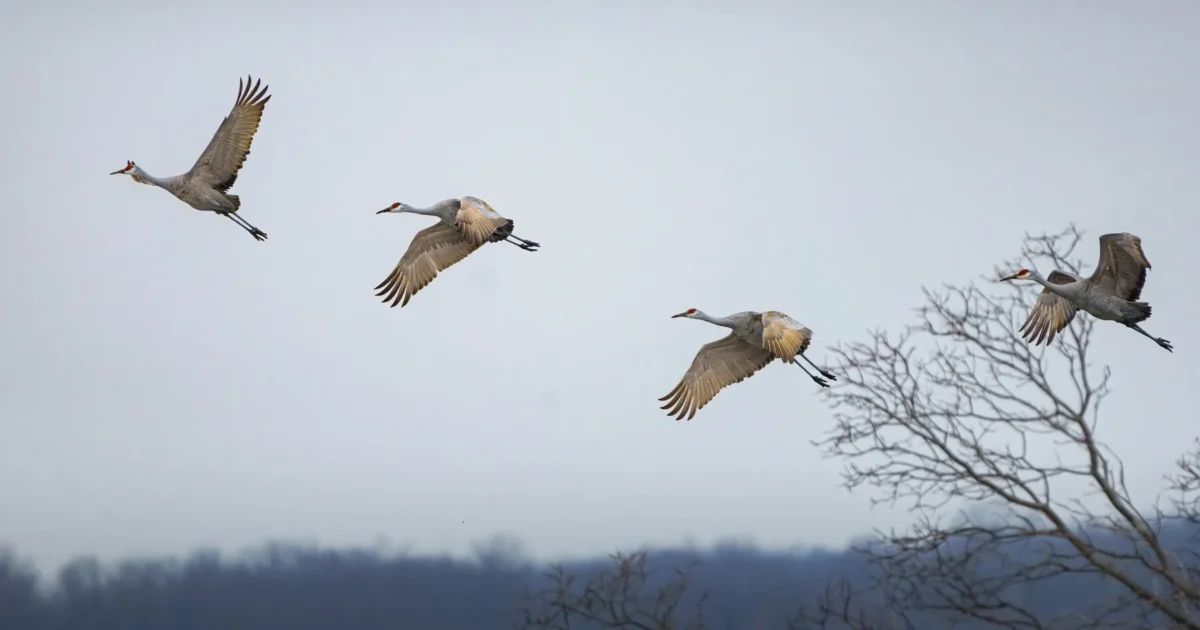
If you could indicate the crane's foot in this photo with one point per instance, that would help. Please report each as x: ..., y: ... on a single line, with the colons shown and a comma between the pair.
x: 827, y: 375
x: 1164, y: 343
x: 820, y: 381
x: 258, y: 234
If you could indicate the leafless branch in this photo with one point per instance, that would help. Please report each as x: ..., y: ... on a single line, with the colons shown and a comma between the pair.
x: 959, y: 413
x: 620, y: 597
x: 843, y: 607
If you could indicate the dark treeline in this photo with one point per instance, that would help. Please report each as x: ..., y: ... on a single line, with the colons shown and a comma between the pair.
x: 289, y: 587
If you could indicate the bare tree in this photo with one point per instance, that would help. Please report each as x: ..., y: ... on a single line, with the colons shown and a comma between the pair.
x: 843, y: 607
x: 960, y: 414
x: 621, y: 597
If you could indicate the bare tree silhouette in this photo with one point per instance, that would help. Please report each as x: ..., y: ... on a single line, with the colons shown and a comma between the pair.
x: 621, y: 597
x: 960, y: 414
x: 843, y: 607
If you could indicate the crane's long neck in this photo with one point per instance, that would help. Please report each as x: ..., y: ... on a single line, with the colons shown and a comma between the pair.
x: 1065, y: 290
x: 720, y: 321
x: 433, y: 211
x: 151, y: 180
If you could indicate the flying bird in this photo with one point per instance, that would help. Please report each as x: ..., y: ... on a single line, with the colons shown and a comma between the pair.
x: 1111, y: 293
x: 205, y: 187
x: 464, y: 225
x: 756, y: 340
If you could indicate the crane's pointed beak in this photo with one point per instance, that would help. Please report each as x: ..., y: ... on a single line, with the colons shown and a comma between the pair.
x: 683, y: 314
x: 117, y: 172
x: 384, y: 210
x: 1012, y: 277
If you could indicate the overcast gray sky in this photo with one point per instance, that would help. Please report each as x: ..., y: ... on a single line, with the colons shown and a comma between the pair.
x: 167, y: 382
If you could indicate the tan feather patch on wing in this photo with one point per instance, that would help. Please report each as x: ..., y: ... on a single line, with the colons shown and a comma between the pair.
x: 717, y: 365
x: 478, y: 223
x: 783, y: 336
x: 1051, y: 313
x: 432, y: 250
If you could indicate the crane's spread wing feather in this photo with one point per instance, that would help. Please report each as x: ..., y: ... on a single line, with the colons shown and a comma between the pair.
x: 1051, y: 313
x: 1122, y: 267
x: 221, y: 160
x: 479, y: 223
x: 783, y: 336
x: 717, y: 365
x: 432, y: 250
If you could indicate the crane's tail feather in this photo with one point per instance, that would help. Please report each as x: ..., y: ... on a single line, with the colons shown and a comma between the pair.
x: 1141, y: 310
x: 502, y: 232
x: 237, y: 201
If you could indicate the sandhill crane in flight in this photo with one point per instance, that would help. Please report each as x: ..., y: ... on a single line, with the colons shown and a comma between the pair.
x: 205, y: 186
x: 756, y: 340
x: 463, y: 226
x: 1110, y: 293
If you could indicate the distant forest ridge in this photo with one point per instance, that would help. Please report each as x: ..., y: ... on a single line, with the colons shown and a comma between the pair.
x: 295, y: 587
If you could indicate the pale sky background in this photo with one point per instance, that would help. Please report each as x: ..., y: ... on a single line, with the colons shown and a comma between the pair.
x: 166, y: 382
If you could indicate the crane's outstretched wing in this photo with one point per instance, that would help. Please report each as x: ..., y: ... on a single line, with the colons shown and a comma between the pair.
x: 432, y: 250
x: 1122, y: 267
x: 221, y: 160
x: 1050, y: 313
x: 478, y: 222
x: 783, y: 336
x: 718, y: 365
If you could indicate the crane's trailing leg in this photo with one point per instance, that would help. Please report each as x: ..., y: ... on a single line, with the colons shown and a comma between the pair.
x: 1158, y: 340
x: 258, y: 234
x: 528, y: 246
x: 823, y: 372
x: 816, y: 379
x: 504, y: 233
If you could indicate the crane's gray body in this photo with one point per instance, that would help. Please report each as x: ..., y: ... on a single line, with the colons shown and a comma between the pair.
x: 447, y: 211
x: 747, y: 325
x: 1112, y: 293
x: 187, y: 189
x: 464, y: 225
x: 206, y: 185
x: 1099, y: 301
x: 754, y: 341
